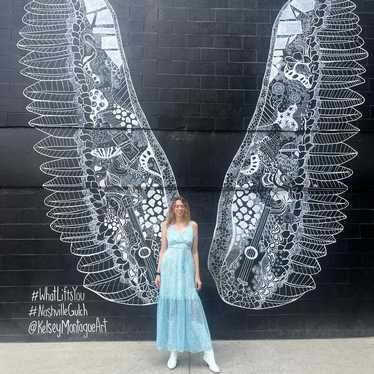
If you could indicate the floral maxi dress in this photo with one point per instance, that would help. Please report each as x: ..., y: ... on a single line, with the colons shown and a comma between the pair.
x: 181, y: 321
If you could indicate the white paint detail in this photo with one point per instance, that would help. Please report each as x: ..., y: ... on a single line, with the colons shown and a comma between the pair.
x: 276, y: 216
x: 103, y: 202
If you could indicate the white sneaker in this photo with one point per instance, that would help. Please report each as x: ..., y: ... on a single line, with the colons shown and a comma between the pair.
x: 208, y: 357
x: 172, y: 362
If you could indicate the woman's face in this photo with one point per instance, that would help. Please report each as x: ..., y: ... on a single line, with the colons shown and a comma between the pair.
x: 179, y: 208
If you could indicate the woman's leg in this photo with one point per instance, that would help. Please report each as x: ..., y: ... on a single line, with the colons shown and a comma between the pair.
x: 172, y: 362
x: 208, y: 357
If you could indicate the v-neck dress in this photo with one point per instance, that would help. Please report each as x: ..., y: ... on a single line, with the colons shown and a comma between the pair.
x: 181, y: 321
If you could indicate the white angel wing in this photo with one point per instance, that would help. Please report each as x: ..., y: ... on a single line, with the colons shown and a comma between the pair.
x: 111, y: 181
x: 281, y: 203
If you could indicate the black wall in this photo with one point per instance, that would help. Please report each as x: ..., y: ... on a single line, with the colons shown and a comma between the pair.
x: 197, y: 67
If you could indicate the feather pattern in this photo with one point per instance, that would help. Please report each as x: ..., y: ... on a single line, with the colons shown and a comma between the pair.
x: 281, y: 202
x: 111, y: 182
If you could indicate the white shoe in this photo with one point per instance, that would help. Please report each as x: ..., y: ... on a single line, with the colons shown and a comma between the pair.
x: 172, y: 362
x: 208, y: 357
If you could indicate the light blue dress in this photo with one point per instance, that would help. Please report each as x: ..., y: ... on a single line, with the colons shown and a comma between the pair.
x: 181, y: 321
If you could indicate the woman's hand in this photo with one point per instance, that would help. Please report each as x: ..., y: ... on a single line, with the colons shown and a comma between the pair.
x: 198, y: 283
x: 157, y: 281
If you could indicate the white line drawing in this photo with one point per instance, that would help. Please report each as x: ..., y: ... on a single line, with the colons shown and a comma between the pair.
x: 111, y: 181
x: 281, y: 203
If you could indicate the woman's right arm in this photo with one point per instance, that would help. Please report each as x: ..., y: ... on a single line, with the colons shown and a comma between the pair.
x: 164, y: 243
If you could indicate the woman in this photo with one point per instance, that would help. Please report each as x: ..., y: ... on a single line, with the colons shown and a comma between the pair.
x: 181, y: 321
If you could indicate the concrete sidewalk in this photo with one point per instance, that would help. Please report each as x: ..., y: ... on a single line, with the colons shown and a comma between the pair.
x: 314, y: 356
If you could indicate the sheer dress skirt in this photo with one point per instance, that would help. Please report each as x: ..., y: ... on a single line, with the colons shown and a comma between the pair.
x: 181, y: 321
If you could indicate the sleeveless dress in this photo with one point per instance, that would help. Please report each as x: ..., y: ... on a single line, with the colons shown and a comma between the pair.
x: 181, y: 321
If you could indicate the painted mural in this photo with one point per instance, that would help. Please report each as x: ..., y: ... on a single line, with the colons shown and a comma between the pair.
x: 111, y: 183
x: 281, y: 202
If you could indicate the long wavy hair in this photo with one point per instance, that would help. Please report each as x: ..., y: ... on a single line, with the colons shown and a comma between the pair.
x: 170, y: 219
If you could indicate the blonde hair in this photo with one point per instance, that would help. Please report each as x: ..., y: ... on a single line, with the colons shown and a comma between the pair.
x: 170, y: 219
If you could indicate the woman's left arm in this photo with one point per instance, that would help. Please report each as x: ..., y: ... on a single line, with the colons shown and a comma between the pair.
x: 195, y: 254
